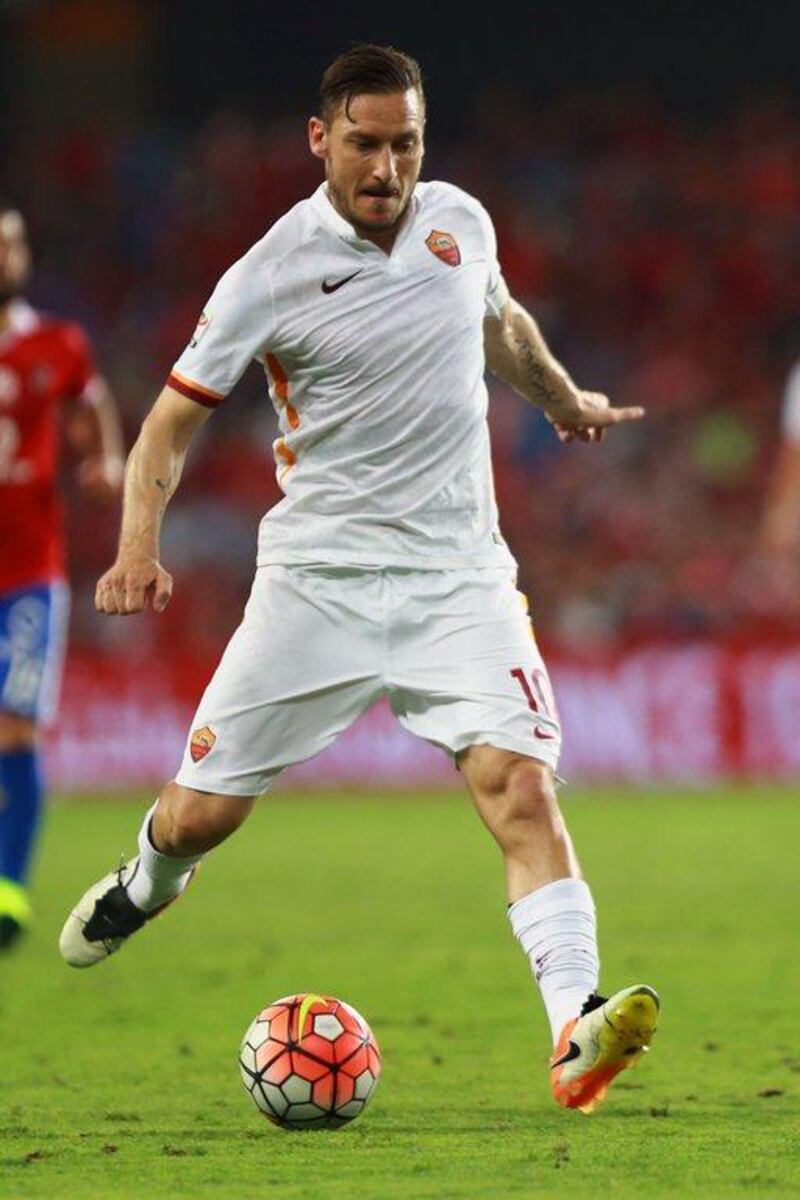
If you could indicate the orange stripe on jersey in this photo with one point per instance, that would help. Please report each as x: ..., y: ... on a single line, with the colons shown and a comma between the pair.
x: 195, y: 391
x: 280, y: 377
x: 283, y: 451
x: 282, y: 390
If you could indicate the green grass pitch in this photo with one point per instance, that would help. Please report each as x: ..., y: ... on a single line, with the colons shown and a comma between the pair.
x: 122, y: 1081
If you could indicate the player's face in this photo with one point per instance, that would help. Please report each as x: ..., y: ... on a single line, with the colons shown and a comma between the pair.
x: 15, y: 258
x: 373, y: 156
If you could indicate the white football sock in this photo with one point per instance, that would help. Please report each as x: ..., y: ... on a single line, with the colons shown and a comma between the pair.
x: 557, y: 928
x: 158, y: 877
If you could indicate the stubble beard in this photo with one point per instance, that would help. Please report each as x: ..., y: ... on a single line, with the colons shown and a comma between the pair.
x: 374, y: 226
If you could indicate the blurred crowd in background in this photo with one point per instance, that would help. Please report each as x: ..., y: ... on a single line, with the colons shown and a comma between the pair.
x: 661, y: 255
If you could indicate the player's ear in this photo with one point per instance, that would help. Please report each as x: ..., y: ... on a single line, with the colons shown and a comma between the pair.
x: 318, y: 137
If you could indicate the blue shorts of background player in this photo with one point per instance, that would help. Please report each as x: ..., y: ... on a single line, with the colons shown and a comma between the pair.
x: 33, y: 629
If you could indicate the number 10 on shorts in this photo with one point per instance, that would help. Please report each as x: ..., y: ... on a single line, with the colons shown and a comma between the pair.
x: 537, y: 691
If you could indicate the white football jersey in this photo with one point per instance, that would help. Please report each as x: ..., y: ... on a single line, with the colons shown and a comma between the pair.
x: 375, y: 366
x: 790, y: 417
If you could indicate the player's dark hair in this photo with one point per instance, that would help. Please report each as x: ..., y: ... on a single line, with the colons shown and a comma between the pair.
x: 367, y: 69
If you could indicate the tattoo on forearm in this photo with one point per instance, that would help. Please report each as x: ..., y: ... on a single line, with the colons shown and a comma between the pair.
x: 165, y: 488
x: 534, y: 370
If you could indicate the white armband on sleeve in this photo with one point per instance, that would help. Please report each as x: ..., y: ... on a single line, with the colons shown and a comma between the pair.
x: 497, y: 296
x: 496, y: 290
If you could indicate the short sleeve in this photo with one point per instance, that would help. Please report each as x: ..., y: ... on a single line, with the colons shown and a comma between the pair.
x: 790, y: 416
x: 497, y: 294
x: 83, y: 378
x: 233, y: 328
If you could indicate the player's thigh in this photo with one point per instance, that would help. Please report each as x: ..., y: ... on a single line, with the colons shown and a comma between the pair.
x: 471, y: 672
x: 33, y: 634
x: 301, y: 667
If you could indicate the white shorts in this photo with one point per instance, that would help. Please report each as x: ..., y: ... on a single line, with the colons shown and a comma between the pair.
x: 453, y: 651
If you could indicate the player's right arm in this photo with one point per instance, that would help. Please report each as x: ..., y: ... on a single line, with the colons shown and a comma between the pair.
x: 152, y: 475
x: 233, y: 328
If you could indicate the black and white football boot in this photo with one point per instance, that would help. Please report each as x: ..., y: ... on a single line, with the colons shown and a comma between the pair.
x: 104, y: 918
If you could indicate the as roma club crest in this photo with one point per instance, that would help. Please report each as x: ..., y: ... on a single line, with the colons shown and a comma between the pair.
x: 202, y: 741
x: 444, y: 246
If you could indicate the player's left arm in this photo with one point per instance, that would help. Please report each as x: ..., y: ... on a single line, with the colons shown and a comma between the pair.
x: 93, y: 429
x: 517, y: 353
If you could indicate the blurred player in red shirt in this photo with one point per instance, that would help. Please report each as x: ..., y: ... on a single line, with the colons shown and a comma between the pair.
x: 48, y: 387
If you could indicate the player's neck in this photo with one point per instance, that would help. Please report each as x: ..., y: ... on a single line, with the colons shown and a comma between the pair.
x: 384, y: 241
x: 5, y: 315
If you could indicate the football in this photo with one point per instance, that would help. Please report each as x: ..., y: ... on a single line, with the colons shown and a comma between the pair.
x: 309, y: 1062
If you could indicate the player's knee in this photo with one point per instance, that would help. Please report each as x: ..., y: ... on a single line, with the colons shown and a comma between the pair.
x: 530, y: 795
x: 191, y: 822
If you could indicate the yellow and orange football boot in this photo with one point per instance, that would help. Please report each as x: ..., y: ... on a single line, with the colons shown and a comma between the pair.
x: 608, y: 1036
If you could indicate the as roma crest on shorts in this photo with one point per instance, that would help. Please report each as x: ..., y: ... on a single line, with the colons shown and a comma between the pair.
x: 202, y: 741
x: 444, y: 246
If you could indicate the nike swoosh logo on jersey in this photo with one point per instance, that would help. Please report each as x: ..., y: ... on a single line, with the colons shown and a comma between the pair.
x: 334, y: 287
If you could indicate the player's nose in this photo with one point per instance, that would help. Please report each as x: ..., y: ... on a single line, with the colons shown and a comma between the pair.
x: 384, y: 166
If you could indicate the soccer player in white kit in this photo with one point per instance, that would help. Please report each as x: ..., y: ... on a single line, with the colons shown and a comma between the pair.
x: 374, y: 307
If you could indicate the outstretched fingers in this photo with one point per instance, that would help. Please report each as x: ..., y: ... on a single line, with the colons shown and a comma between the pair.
x: 615, y: 416
x: 591, y: 417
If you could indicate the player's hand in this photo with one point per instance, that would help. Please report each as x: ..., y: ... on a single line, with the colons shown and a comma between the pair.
x: 133, y: 584
x: 100, y: 477
x: 587, y: 415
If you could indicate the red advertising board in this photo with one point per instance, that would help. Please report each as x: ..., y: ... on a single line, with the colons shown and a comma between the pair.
x: 697, y: 712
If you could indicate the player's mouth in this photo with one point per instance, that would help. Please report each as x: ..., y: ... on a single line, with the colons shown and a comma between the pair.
x: 380, y: 193
x: 378, y: 204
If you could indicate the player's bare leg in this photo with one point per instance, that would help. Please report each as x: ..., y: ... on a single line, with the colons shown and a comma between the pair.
x: 182, y: 826
x: 516, y: 800
x: 552, y: 915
